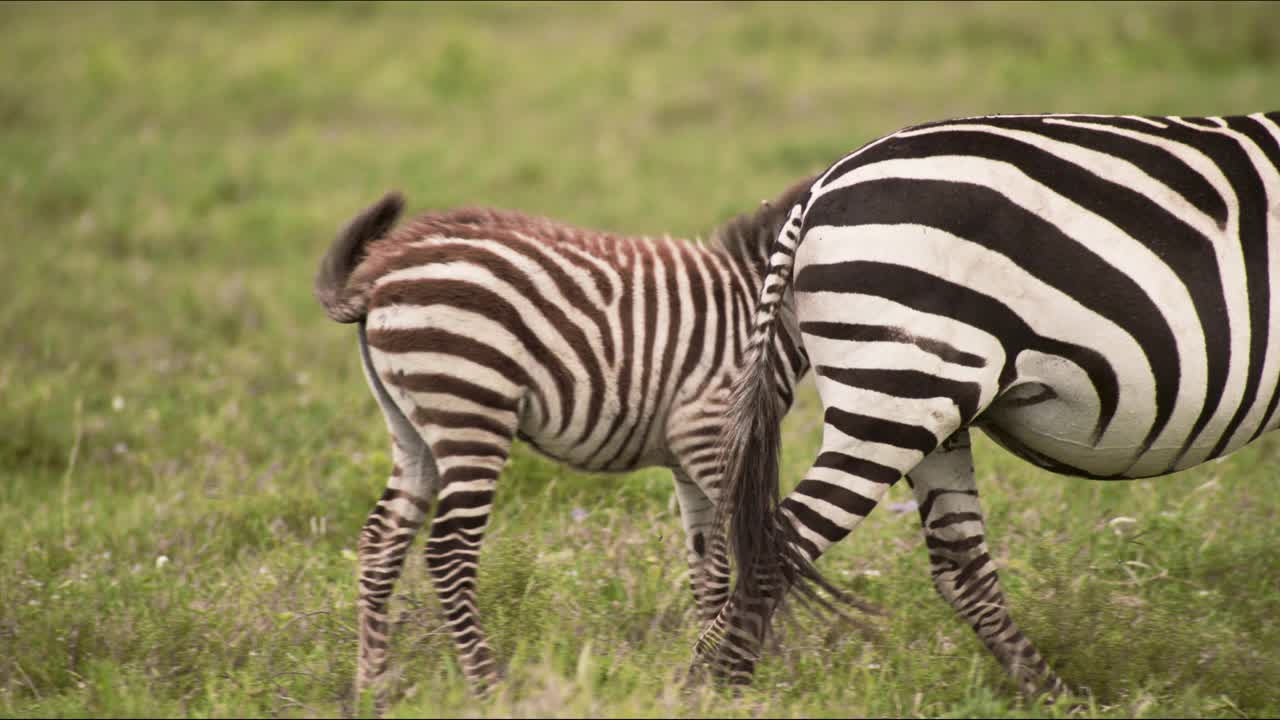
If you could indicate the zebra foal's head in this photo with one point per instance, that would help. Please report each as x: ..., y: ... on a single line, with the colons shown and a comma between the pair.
x: 751, y: 235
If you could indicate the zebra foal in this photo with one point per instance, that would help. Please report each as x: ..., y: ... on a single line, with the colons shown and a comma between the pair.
x: 1100, y: 295
x: 605, y: 352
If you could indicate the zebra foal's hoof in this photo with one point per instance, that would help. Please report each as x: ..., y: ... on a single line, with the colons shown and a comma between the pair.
x: 1074, y: 701
x: 698, y: 675
x: 366, y: 703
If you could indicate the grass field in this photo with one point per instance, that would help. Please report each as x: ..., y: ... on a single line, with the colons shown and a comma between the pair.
x: 188, y: 449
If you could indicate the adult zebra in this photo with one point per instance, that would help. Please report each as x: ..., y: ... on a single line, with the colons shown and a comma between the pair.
x: 1096, y: 293
x: 608, y: 353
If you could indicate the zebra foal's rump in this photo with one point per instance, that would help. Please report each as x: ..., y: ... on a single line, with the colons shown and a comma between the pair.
x: 1097, y: 293
x: 606, y: 352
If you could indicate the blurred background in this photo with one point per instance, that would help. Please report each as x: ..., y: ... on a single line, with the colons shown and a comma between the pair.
x: 188, y: 449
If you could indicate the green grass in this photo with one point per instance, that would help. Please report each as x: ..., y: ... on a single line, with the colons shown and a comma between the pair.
x: 187, y: 447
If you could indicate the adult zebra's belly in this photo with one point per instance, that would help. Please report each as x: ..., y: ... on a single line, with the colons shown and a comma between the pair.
x: 1050, y: 416
x: 1041, y: 441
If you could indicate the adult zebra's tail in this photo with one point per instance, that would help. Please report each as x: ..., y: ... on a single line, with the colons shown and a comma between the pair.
x: 750, y: 442
x: 342, y: 303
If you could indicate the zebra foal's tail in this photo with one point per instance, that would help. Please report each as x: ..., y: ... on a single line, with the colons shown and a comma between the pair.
x: 341, y: 303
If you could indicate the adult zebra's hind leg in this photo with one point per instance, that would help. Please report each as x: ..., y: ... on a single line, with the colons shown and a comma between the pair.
x: 962, y: 569
x: 879, y: 423
x: 845, y: 483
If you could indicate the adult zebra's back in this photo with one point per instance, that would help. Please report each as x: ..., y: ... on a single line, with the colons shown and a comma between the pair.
x: 606, y: 352
x: 1097, y: 293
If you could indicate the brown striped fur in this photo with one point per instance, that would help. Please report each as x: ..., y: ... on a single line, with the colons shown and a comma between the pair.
x: 606, y: 351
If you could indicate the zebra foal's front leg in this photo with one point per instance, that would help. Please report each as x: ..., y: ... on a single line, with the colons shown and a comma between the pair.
x: 704, y: 546
x: 962, y: 569
x: 709, y: 571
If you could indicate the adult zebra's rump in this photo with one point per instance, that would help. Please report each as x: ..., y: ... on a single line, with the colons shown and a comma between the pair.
x: 609, y: 353
x: 1097, y: 293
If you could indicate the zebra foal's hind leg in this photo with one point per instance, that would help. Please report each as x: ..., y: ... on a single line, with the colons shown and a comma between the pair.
x: 386, y: 536
x: 470, y: 449
x: 465, y: 431
x: 384, y: 543
x: 963, y: 572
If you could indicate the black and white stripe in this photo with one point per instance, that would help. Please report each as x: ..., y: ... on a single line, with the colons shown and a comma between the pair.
x: 1096, y: 293
x: 608, y: 353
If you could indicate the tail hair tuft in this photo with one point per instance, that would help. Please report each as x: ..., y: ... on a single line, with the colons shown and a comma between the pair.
x: 340, y: 304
